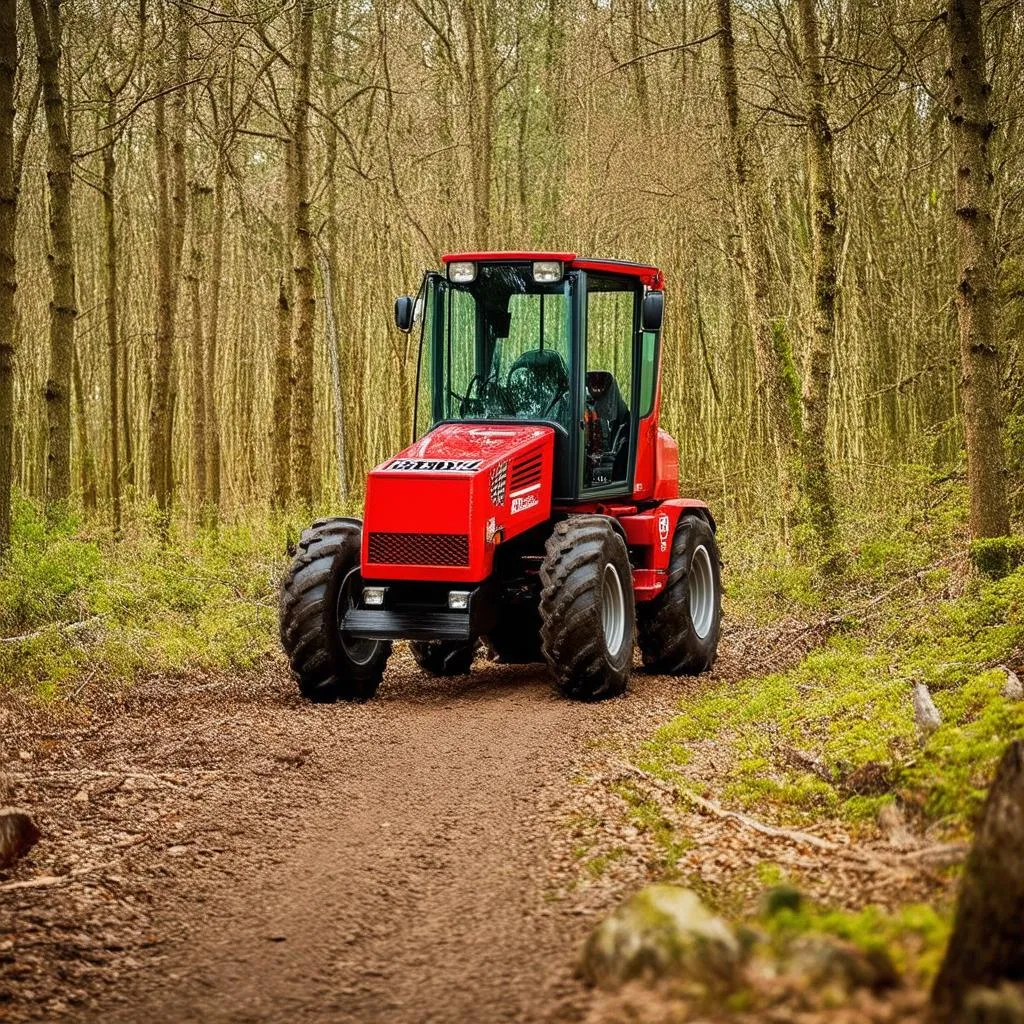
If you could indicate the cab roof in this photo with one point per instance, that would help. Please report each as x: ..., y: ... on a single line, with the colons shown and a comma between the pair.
x: 645, y: 273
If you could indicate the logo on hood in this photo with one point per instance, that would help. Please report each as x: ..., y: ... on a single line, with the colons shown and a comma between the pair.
x: 434, y: 466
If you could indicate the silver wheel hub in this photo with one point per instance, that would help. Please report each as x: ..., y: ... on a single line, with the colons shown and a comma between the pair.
x: 613, y: 610
x: 701, y: 592
x: 359, y: 650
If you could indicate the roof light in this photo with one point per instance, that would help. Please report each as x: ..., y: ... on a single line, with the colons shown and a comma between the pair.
x: 461, y: 272
x: 547, y: 271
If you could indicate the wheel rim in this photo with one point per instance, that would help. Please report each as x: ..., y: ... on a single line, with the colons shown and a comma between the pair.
x: 701, y: 592
x: 613, y: 609
x: 358, y: 651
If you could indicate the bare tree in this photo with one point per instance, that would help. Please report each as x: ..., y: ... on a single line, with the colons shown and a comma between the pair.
x: 824, y: 228
x: 8, y: 274
x: 971, y: 128
x: 305, y: 300
x: 46, y: 19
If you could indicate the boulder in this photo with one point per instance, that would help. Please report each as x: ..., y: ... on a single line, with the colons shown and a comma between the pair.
x: 823, y: 961
x: 18, y: 834
x: 1012, y: 689
x: 926, y: 714
x: 662, y: 931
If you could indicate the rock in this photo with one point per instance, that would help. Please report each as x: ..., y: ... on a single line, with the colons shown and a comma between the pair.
x: 782, y: 897
x: 663, y: 930
x: 18, y: 834
x: 1012, y: 688
x: 994, y: 1006
x: 825, y: 961
x: 925, y: 712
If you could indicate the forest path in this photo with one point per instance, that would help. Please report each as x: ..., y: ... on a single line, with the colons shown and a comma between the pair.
x: 245, y: 856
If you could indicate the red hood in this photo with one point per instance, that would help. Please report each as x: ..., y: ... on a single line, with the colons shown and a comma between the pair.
x: 465, y: 447
x: 438, y: 509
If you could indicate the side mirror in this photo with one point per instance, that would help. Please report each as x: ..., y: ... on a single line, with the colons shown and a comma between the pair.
x: 653, y: 311
x: 405, y: 308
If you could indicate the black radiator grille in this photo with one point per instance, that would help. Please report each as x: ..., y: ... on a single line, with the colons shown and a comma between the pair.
x: 419, y: 549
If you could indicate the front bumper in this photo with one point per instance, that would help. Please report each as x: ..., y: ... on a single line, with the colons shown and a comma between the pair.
x: 420, y: 612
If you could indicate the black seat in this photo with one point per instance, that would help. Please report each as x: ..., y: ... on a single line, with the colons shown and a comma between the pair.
x: 538, y: 384
x: 607, y: 441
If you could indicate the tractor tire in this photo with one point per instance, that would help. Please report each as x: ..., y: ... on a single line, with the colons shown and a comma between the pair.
x: 586, y: 608
x: 515, y: 640
x: 315, y: 593
x: 444, y: 657
x: 678, y: 631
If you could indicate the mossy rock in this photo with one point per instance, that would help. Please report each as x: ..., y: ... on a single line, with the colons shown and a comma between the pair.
x: 997, y: 557
x: 662, y: 931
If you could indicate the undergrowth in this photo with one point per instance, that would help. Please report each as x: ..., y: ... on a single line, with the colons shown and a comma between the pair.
x: 75, y: 605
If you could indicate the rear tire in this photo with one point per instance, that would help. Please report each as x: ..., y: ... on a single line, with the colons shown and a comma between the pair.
x: 586, y: 608
x: 321, y: 583
x: 679, y: 630
x: 444, y: 657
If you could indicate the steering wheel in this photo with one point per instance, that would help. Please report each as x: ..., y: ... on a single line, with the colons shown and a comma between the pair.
x: 554, y: 401
x: 469, y: 406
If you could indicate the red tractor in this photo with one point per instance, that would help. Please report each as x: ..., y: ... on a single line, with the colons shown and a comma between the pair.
x: 537, y: 508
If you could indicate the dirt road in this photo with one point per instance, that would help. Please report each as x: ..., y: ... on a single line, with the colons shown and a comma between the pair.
x: 229, y: 853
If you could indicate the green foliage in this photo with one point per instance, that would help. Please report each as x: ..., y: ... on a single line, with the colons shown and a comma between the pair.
x: 898, y: 617
x: 997, y: 556
x: 914, y: 936
x: 74, y: 602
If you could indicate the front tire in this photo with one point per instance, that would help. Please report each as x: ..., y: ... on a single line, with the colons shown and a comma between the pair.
x: 586, y: 608
x: 321, y: 584
x: 444, y: 657
x: 679, y: 630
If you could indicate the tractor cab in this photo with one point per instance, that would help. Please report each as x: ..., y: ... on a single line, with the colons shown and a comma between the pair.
x: 546, y: 338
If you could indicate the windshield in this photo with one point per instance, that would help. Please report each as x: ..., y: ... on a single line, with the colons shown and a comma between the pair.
x: 501, y: 347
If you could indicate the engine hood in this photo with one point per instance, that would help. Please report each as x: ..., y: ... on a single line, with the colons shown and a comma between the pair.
x: 439, y: 508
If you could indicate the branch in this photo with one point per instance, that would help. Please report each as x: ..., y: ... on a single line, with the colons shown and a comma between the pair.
x: 665, y: 49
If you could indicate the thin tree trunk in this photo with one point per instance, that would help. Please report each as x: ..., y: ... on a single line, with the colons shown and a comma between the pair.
x: 212, y: 335
x: 775, y: 367
x: 170, y: 161
x: 63, y: 307
x: 305, y: 300
x: 822, y: 195
x: 332, y: 350
x: 281, y: 432
x: 159, y: 408
x: 197, y: 360
x: 8, y: 272
x: 87, y: 460
x: 971, y: 128
x: 113, y: 337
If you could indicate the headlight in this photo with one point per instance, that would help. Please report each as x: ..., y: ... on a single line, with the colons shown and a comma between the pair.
x: 461, y: 272
x: 547, y: 271
x: 458, y: 600
x: 373, y: 597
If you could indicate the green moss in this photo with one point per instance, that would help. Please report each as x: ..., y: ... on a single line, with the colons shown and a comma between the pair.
x: 998, y: 556
x: 74, y: 601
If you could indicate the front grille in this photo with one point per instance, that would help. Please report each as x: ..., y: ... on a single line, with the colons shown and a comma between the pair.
x: 526, y: 472
x: 419, y: 549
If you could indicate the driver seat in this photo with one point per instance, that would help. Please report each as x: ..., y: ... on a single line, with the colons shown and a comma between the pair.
x: 538, y: 384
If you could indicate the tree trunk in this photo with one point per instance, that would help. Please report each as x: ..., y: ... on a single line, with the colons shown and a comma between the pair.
x: 971, y: 128
x: 775, y: 368
x: 281, y: 432
x: 113, y: 337
x: 63, y: 308
x: 212, y: 334
x: 987, y: 943
x: 87, y: 460
x: 305, y: 300
x: 170, y: 233
x: 8, y: 275
x: 197, y: 360
x: 822, y: 195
